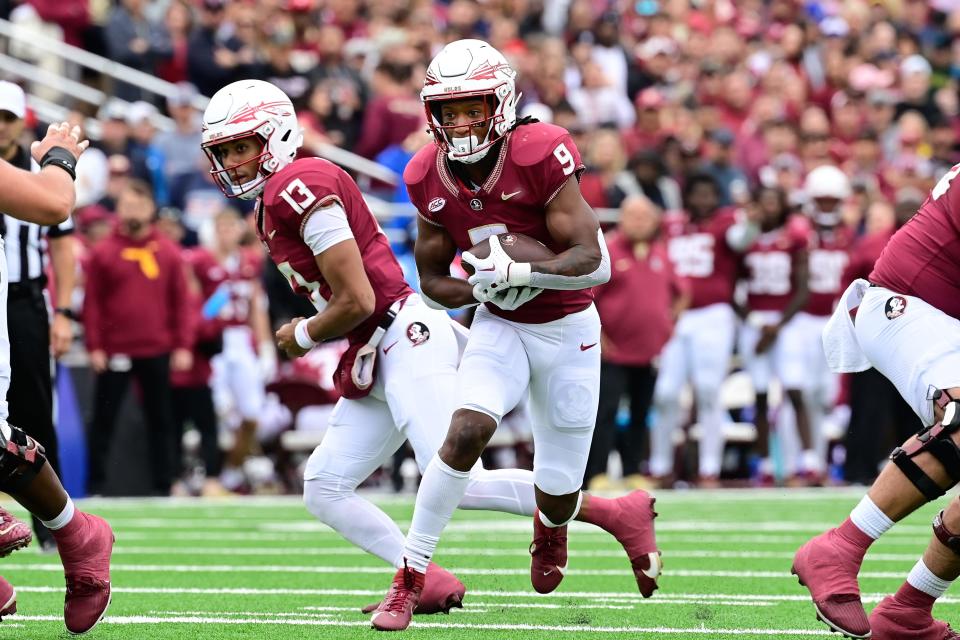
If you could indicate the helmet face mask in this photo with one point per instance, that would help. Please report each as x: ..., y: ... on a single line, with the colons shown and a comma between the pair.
x: 470, y: 70
x: 480, y: 132
x: 250, y: 109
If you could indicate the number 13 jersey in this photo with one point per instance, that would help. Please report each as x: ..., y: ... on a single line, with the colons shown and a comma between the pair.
x: 533, y: 163
x: 923, y: 257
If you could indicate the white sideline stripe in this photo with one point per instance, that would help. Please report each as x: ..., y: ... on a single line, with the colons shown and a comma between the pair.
x: 603, y: 596
x: 470, y: 571
x: 127, y: 620
x: 467, y: 551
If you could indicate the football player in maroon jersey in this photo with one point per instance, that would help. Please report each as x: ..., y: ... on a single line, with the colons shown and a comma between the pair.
x: 705, y: 244
x: 536, y: 330
x: 398, y: 375
x: 904, y: 321
x: 770, y: 344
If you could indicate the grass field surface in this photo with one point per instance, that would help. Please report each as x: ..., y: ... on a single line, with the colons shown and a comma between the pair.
x: 264, y: 568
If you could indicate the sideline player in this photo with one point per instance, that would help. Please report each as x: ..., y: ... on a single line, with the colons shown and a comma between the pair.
x: 705, y: 245
x: 84, y: 541
x: 398, y: 375
x: 486, y: 174
x: 770, y: 341
x: 905, y: 322
x: 229, y: 277
x: 826, y: 188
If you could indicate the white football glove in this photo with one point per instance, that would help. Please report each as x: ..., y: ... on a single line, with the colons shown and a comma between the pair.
x: 515, y: 297
x: 495, y: 272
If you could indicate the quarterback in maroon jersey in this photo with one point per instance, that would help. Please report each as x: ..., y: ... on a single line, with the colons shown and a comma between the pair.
x: 770, y: 343
x: 536, y: 329
x: 398, y: 374
x: 905, y: 322
x: 705, y: 244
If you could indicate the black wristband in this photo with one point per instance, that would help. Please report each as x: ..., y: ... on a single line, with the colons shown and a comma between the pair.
x: 66, y: 312
x: 60, y: 157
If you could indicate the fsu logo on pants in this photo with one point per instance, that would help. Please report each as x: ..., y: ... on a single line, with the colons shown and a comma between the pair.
x: 418, y: 333
x: 895, y: 307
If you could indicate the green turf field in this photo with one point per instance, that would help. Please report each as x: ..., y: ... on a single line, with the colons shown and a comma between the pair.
x: 264, y: 568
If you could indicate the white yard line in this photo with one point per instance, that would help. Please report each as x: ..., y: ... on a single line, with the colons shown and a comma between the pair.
x: 654, y: 631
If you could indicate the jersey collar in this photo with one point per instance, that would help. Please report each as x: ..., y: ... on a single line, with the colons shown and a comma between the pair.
x: 456, y: 188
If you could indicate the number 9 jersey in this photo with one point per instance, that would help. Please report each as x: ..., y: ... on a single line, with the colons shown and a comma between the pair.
x: 533, y: 163
x: 923, y: 257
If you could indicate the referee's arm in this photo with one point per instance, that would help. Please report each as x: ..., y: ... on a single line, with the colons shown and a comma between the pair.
x: 46, y: 197
x: 63, y: 258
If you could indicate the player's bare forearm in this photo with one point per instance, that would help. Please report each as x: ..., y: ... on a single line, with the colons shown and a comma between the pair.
x: 801, y: 289
x: 342, y: 314
x: 64, y: 260
x: 434, y: 251
x: 576, y: 261
x: 450, y: 292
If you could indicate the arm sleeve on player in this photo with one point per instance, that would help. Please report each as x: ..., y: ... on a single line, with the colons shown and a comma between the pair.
x: 600, y: 275
x: 326, y: 227
x: 741, y: 234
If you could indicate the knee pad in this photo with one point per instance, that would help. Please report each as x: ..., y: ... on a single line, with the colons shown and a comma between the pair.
x: 937, y: 441
x: 21, y: 459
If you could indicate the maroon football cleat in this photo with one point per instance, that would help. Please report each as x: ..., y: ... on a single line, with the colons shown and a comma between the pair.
x: 396, y: 610
x: 8, y: 599
x: 902, y: 617
x: 85, y: 546
x: 828, y: 566
x: 442, y: 591
x: 632, y: 526
x: 548, y: 553
x: 14, y: 534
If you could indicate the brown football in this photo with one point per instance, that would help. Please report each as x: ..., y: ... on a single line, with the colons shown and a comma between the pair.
x: 518, y: 246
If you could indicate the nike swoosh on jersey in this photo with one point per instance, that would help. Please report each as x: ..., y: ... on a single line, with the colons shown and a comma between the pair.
x: 507, y: 196
x: 385, y: 349
x: 584, y: 347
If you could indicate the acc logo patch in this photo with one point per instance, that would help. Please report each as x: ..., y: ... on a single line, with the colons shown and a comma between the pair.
x: 895, y: 307
x: 418, y: 333
x: 436, y: 204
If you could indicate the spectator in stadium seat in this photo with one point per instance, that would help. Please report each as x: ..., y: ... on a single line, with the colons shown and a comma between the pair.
x: 394, y: 112
x: 136, y: 321
x: 605, y: 182
x: 178, y: 22
x: 730, y: 178
x: 181, y: 147
x: 137, y: 42
x: 146, y: 158
x: 114, y: 130
x: 637, y: 307
x: 215, y: 56
x: 649, y: 172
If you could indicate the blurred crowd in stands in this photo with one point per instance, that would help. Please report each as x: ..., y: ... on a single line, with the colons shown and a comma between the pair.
x: 754, y: 94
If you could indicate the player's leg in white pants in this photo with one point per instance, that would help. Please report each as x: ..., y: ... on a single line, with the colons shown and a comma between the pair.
x: 821, y: 388
x: 564, y: 393
x: 711, y: 348
x: 360, y: 439
x: 421, y: 391
x: 671, y: 380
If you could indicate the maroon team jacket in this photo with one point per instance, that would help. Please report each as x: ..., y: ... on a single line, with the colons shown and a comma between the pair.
x: 135, y: 301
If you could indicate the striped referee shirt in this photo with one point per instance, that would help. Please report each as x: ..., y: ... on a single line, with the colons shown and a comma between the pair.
x: 25, y: 243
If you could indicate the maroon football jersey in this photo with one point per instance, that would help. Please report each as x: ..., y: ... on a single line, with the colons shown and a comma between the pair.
x: 923, y: 257
x: 699, y: 251
x: 533, y: 164
x: 236, y: 278
x: 829, y: 255
x: 288, y: 200
x: 769, y: 264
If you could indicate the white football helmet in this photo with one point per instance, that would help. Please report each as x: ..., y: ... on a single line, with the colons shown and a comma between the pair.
x: 826, y: 188
x: 251, y: 108
x: 470, y: 69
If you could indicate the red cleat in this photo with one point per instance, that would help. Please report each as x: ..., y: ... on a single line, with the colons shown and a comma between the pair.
x: 632, y: 526
x: 396, y: 610
x: 906, y: 616
x: 828, y: 566
x: 85, y: 545
x: 442, y: 591
x: 8, y: 599
x: 548, y: 553
x: 14, y: 534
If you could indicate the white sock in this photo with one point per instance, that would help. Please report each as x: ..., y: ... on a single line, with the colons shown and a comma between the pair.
x: 868, y: 517
x: 63, y: 519
x: 505, y: 490
x: 441, y: 490
x: 547, y: 523
x: 358, y: 520
x: 923, y: 579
